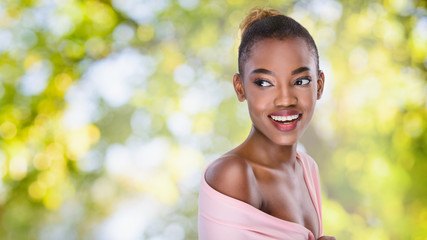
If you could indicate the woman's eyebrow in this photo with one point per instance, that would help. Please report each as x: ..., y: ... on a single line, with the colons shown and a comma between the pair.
x: 300, y: 70
x: 262, y: 70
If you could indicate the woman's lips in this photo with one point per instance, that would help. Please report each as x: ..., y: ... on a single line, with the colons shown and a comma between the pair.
x: 287, y: 112
x: 285, y: 120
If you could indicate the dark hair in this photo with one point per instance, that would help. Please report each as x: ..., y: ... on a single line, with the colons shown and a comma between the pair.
x: 264, y: 24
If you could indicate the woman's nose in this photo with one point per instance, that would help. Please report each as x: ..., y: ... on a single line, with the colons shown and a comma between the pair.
x: 285, y: 97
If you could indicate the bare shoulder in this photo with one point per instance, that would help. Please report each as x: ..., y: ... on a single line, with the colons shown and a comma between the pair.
x: 233, y: 176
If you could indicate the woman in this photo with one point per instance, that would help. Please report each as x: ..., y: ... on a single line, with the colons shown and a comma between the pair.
x: 264, y: 188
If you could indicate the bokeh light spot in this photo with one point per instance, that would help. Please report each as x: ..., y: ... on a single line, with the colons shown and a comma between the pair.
x: 41, y: 161
x: 47, y: 179
x: 63, y: 81
x: 413, y: 125
x: 8, y: 130
x: 358, y: 60
x: 37, y: 191
x: 96, y: 47
x: 18, y: 167
x: 163, y: 188
x: 145, y: 33
x: 52, y: 200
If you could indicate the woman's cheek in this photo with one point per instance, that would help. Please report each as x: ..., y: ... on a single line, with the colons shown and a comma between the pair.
x: 259, y: 102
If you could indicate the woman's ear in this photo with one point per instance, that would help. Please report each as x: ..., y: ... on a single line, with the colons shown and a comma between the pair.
x: 238, y: 87
x: 320, y: 84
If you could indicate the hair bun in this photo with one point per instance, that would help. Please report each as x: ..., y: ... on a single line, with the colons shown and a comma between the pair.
x: 254, y: 15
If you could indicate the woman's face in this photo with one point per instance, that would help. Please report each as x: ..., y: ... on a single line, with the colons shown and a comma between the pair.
x: 281, y: 85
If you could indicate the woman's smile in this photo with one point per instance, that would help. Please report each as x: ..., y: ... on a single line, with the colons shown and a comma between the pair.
x: 285, y: 120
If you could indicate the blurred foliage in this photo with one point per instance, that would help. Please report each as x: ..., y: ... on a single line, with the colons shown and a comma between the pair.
x: 109, y: 111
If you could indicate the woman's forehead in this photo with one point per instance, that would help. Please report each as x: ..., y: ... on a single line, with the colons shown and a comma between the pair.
x: 277, y: 54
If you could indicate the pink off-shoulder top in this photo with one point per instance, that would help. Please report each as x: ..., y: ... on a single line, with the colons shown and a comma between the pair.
x: 222, y: 217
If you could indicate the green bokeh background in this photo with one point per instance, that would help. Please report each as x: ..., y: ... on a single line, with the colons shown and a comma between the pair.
x: 110, y: 111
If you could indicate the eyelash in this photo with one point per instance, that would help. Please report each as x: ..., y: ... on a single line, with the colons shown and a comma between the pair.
x: 302, y: 79
x: 259, y: 82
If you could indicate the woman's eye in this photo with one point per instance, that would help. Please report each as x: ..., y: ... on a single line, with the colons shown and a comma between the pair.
x: 302, y: 81
x: 263, y: 83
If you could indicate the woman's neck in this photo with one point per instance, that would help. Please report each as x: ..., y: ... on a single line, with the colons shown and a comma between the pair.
x: 265, y: 152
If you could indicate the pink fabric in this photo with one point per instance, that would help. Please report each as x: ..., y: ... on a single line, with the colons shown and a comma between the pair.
x: 222, y: 217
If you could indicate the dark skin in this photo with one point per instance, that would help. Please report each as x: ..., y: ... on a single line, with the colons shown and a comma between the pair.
x: 263, y: 171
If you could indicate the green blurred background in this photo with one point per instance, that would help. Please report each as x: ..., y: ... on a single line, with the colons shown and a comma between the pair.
x: 110, y: 111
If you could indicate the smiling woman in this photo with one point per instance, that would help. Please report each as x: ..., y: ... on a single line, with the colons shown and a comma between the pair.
x: 265, y: 188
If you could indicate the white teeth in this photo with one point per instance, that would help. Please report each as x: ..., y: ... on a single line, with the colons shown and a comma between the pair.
x: 284, y: 118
